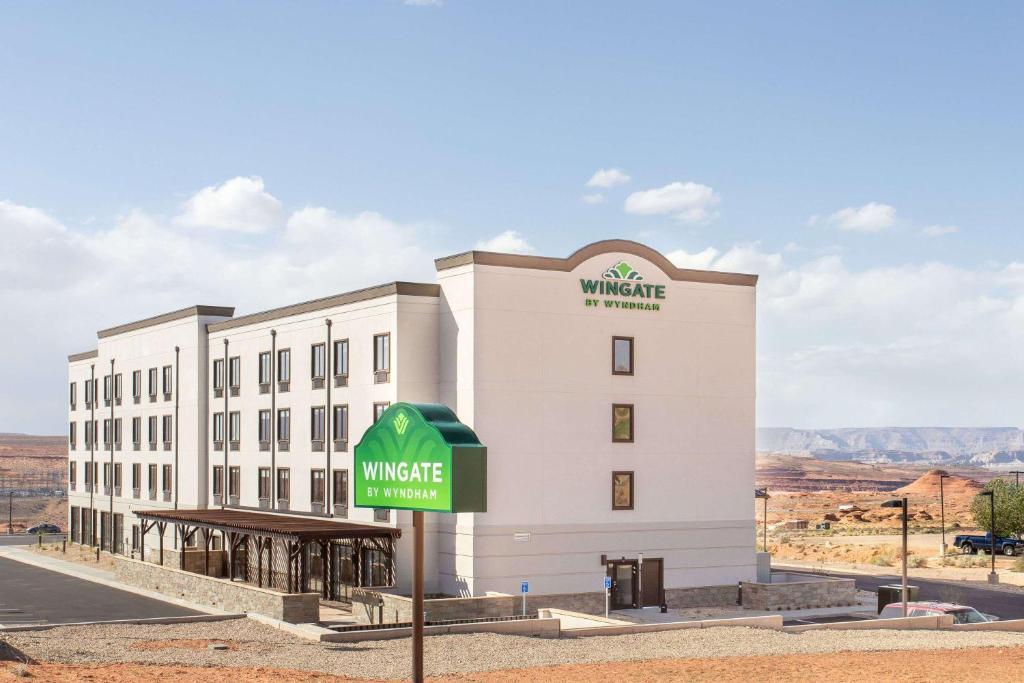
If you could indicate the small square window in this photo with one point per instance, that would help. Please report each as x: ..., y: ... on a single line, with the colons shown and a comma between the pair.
x: 622, y: 423
x: 381, y: 515
x: 622, y: 355
x: 622, y: 490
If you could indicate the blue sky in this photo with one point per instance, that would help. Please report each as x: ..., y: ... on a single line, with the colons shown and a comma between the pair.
x: 863, y: 157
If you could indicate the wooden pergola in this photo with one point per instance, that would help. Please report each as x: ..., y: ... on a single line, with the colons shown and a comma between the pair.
x: 274, y: 539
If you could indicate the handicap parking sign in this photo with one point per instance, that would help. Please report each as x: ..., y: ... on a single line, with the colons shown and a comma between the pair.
x: 607, y: 583
x: 525, y: 587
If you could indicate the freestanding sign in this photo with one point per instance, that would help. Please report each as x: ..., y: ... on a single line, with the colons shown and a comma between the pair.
x: 419, y: 457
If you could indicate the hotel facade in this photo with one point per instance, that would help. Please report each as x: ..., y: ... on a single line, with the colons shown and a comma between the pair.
x: 614, y: 393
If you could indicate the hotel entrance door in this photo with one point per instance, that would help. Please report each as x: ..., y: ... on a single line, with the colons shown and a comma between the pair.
x: 628, y: 583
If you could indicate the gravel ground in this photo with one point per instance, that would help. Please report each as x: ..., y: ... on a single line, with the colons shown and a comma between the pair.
x: 259, y: 645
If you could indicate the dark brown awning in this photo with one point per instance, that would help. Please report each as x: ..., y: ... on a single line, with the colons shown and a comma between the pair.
x: 269, y: 524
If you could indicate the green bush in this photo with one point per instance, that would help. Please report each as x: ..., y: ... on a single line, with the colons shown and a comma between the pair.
x: 916, y: 561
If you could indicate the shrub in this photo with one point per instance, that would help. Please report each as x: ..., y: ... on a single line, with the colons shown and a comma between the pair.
x: 1018, y: 564
x: 916, y: 561
x: 883, y: 556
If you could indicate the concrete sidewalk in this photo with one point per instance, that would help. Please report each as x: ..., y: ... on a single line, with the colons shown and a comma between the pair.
x: 653, y: 615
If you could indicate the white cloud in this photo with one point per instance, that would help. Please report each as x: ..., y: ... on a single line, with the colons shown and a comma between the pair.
x: 872, y: 217
x: 510, y: 242
x: 688, y: 202
x: 239, y: 205
x: 595, y: 198
x: 939, y: 230
x: 607, y: 178
x: 700, y: 260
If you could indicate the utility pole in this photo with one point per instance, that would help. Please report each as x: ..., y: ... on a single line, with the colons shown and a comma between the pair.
x: 1016, y: 474
x: 942, y: 512
x: 904, y: 557
x: 10, y: 512
x: 991, y: 495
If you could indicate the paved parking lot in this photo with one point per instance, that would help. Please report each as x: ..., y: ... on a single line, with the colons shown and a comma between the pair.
x: 32, y: 595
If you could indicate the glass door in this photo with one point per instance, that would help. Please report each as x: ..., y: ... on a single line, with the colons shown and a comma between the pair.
x: 623, y: 584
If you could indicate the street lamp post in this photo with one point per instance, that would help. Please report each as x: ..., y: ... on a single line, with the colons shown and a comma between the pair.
x: 942, y: 513
x: 902, y: 503
x: 991, y: 495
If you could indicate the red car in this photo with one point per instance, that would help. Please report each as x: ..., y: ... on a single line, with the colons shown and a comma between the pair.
x: 961, y: 613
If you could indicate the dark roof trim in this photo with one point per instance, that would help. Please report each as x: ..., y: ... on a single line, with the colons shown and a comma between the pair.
x: 490, y: 258
x: 407, y: 288
x: 84, y: 355
x: 269, y: 524
x: 225, y: 311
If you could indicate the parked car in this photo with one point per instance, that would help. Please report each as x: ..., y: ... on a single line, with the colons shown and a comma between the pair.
x: 44, y: 529
x: 962, y: 614
x: 971, y: 544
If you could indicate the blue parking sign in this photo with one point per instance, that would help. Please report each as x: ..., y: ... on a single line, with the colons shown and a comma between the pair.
x: 524, y: 587
x: 607, y: 583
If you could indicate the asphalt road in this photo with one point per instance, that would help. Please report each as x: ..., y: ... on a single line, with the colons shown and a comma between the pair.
x: 30, y: 594
x: 1003, y: 604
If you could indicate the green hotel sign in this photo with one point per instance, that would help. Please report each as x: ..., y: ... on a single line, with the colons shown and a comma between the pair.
x: 627, y: 286
x: 420, y: 457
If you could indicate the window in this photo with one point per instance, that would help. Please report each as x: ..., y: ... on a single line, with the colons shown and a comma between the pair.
x: 106, y: 474
x: 341, y: 488
x: 107, y: 389
x: 71, y: 435
x: 378, y: 410
x: 218, y: 480
x: 72, y: 473
x: 106, y: 432
x: 218, y: 374
x: 381, y: 515
x: 381, y: 357
x: 218, y: 431
x: 264, y: 427
x: 88, y: 476
x: 234, y: 429
x: 283, y: 484
x: 88, y: 393
x: 264, y: 483
x: 317, y: 488
x: 622, y: 355
x: 88, y: 434
x: 136, y: 479
x: 622, y: 490
x: 341, y: 358
x: 152, y: 482
x: 235, y: 372
x: 340, y: 427
x: 168, y: 429
x: 316, y: 426
x: 167, y: 488
x: 137, y: 384
x: 152, y: 432
x: 117, y: 387
x: 318, y: 361
x: 117, y: 432
x: 136, y: 431
x: 168, y: 381
x: 284, y: 424
x: 152, y: 383
x: 265, y: 373
x: 622, y: 423
x: 284, y: 365
x: 74, y: 397
x: 117, y: 475
x: 234, y: 482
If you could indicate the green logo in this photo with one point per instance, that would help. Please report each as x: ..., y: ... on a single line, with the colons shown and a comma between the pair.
x: 401, y: 422
x: 622, y: 271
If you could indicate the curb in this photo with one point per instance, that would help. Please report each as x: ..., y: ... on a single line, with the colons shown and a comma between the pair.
x: 199, y: 618
x: 55, y: 566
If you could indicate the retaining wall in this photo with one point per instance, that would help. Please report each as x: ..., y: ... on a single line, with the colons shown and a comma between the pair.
x: 398, y: 608
x: 798, y: 591
x: 231, y: 596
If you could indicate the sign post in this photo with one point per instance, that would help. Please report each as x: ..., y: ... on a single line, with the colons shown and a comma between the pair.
x: 640, y: 579
x: 524, y: 588
x: 419, y: 457
x: 607, y: 594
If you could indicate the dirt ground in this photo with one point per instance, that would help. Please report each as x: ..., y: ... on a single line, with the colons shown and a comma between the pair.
x: 991, y: 664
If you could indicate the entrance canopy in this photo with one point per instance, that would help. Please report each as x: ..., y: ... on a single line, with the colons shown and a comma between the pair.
x: 298, y: 529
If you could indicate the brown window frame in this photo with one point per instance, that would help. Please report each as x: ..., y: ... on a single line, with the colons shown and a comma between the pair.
x: 632, y: 355
x: 380, y: 404
x: 632, y: 490
x: 632, y: 422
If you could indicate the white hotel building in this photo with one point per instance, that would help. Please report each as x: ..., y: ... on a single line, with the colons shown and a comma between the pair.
x: 614, y: 393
